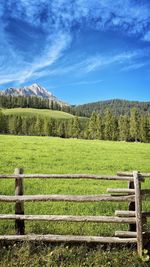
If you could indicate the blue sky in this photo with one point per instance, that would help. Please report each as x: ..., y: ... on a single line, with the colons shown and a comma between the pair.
x: 80, y: 50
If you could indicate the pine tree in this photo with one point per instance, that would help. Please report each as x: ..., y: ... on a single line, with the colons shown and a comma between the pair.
x: 24, y: 126
x: 61, y: 130
x: 46, y: 127
x: 99, y: 127
x: 134, y: 124
x: 3, y: 123
x: 76, y: 129
x: 38, y: 126
x: 143, y: 129
x: 109, y: 128
x: 18, y: 125
x: 93, y: 130
x: 11, y: 124
x: 123, y: 125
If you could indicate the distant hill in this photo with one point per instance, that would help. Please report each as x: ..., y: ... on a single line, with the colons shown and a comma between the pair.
x: 33, y: 90
x: 29, y: 112
x: 117, y: 106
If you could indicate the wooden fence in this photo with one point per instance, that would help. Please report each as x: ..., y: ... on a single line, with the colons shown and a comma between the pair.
x: 134, y: 216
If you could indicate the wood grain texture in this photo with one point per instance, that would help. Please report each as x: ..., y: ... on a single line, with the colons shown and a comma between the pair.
x: 68, y: 238
x: 125, y: 234
x: 69, y: 198
x: 66, y: 176
x: 138, y: 211
x: 69, y: 218
x: 124, y: 213
x: 19, y: 205
x: 121, y: 190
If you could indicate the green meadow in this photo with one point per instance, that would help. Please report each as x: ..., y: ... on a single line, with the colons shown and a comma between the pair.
x: 56, y: 155
x: 37, y: 112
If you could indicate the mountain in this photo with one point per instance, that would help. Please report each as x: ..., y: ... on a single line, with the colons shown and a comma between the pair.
x: 32, y: 90
x: 117, y: 106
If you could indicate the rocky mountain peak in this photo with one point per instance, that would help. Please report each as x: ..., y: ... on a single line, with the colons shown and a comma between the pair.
x: 32, y: 90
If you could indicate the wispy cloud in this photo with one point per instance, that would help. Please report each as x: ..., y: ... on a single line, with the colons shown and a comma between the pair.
x: 22, y: 70
x: 135, y: 66
x: 50, y: 55
x: 84, y: 82
x: 125, y: 61
x: 99, y: 61
x: 56, y: 20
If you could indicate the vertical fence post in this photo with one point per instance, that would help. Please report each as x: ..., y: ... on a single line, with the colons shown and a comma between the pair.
x: 132, y: 227
x: 19, y: 206
x: 138, y: 211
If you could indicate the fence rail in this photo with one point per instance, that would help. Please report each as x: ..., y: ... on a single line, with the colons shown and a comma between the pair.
x: 69, y: 198
x: 134, y: 217
x: 66, y: 176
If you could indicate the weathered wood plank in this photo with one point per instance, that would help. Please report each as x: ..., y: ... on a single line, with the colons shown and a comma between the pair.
x: 145, y: 174
x: 125, y: 174
x: 138, y: 210
x: 66, y: 176
x: 120, y: 190
x: 70, y: 198
x: 19, y: 205
x: 131, y: 206
x: 130, y: 174
x: 125, y: 234
x: 68, y: 218
x: 68, y: 238
x: 125, y: 213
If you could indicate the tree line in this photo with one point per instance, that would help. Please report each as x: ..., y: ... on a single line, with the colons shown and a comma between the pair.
x: 135, y: 127
x: 9, y: 101
x: 117, y: 106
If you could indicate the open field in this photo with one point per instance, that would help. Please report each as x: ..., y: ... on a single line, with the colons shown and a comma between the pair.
x: 55, y: 155
x: 38, y: 112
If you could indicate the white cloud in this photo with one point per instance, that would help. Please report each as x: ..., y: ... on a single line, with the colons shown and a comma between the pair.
x: 84, y: 82
x: 22, y: 71
x: 125, y: 61
x: 94, y: 63
x: 135, y: 66
x: 56, y: 18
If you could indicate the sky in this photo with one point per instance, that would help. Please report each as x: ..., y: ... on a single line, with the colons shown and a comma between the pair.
x: 80, y: 50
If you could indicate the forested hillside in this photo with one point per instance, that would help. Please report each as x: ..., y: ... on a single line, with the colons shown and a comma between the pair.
x: 135, y: 127
x: 118, y: 107
x: 10, y: 101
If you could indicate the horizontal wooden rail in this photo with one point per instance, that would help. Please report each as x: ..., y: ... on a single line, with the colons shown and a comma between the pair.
x: 70, y: 198
x: 145, y: 174
x: 124, y: 213
x: 68, y: 238
x: 130, y: 174
x: 134, y: 217
x: 125, y: 234
x: 66, y: 176
x: 68, y: 218
x: 120, y: 190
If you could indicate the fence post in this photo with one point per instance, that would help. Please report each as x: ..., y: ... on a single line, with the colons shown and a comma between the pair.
x: 138, y: 212
x: 19, y: 206
x: 132, y: 227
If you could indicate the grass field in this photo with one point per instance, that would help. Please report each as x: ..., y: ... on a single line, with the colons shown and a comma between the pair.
x: 55, y: 155
x: 37, y: 112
